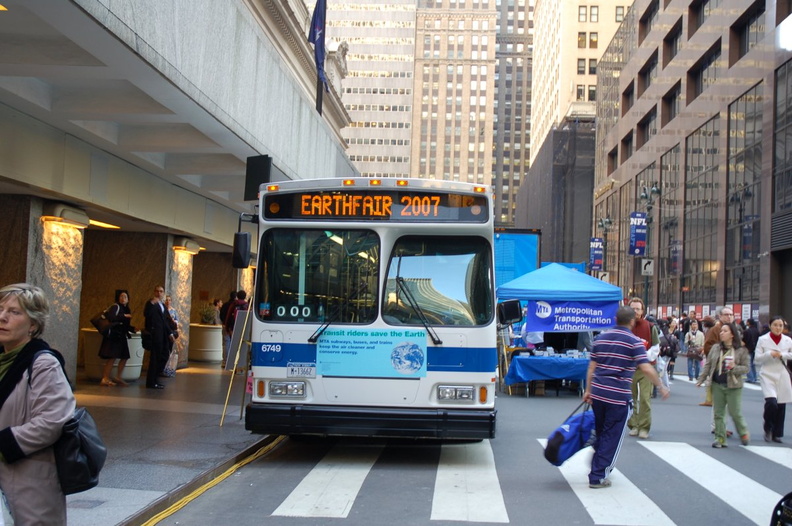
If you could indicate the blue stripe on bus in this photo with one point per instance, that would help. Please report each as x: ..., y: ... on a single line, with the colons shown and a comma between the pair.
x: 463, y: 359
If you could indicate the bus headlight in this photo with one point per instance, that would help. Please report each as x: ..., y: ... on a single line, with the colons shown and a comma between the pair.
x: 287, y: 389
x: 458, y: 393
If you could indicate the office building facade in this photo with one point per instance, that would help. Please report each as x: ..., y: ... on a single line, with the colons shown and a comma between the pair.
x: 693, y: 164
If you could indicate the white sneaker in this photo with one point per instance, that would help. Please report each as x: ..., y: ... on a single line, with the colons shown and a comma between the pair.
x: 634, y: 432
x: 643, y: 433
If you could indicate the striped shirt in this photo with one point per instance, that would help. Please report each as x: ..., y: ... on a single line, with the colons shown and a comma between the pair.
x: 617, y: 353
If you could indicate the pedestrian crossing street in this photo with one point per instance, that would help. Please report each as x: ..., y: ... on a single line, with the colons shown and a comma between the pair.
x: 467, y: 487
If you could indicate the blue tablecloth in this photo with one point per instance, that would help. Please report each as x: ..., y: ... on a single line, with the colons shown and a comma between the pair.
x: 529, y: 368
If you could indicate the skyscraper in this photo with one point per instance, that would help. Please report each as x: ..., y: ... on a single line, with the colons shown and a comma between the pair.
x: 378, y: 89
x: 512, y: 111
x: 454, y: 90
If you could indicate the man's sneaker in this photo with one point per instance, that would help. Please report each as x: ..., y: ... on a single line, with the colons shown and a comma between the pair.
x: 634, y: 432
x: 718, y: 444
x: 643, y: 433
x: 745, y: 440
x: 604, y: 483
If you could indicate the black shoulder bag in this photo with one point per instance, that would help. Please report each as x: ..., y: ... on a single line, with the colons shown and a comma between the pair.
x: 80, y: 452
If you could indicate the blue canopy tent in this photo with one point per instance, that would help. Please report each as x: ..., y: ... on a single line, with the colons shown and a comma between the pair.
x: 558, y: 283
x: 561, y: 299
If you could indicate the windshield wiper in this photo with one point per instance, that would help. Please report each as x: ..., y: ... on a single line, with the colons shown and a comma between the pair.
x: 332, y: 318
x: 417, y: 308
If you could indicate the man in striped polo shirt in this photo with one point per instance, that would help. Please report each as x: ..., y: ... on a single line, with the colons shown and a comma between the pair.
x: 614, y: 358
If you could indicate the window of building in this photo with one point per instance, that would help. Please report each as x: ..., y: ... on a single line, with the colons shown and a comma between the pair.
x: 647, y: 127
x: 619, y: 13
x: 594, y: 14
x: 670, y: 255
x: 743, y: 210
x: 671, y: 43
x: 592, y: 93
x: 699, y: 12
x: 746, y: 33
x: 626, y: 147
x: 704, y: 73
x: 648, y: 20
x: 782, y: 161
x: 592, y: 69
x: 672, y: 104
x: 581, y: 66
x: 593, y: 39
x: 702, y: 203
x: 783, y: 10
x: 612, y: 161
x: 582, y: 10
x: 648, y: 74
x: 582, y: 39
x: 580, y: 92
x: 628, y: 99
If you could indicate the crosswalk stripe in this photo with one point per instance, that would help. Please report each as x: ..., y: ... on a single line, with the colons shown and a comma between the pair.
x: 742, y: 493
x: 330, y: 489
x: 746, y: 385
x: 467, y: 486
x: 779, y: 455
x: 623, y: 504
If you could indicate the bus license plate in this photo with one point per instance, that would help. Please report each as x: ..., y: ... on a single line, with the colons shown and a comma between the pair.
x: 301, y: 370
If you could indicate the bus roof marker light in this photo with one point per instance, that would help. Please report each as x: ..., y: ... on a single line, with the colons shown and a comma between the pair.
x: 349, y: 182
x: 375, y: 182
x: 272, y: 188
x: 402, y: 182
x: 480, y: 189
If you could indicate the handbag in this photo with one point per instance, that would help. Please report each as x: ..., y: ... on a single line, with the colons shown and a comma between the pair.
x: 101, y: 323
x: 570, y: 437
x: 172, y: 364
x: 146, y: 340
x: 694, y: 353
x: 80, y: 452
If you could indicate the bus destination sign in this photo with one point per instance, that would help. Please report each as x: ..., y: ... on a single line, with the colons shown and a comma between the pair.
x: 376, y: 204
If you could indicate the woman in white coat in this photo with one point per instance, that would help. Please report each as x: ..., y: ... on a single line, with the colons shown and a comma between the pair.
x: 773, y: 351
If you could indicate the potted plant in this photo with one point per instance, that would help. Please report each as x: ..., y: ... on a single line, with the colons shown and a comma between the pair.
x: 206, y: 338
x: 207, y: 313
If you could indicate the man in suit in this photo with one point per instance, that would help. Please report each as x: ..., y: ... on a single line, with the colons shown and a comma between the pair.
x: 158, y: 324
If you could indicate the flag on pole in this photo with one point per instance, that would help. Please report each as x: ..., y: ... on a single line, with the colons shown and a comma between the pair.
x: 316, y: 36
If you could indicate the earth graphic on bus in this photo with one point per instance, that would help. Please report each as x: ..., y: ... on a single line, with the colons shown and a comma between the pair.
x: 407, y: 358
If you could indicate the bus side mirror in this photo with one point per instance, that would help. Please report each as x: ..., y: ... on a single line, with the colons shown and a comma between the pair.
x: 509, y: 312
x: 240, y: 257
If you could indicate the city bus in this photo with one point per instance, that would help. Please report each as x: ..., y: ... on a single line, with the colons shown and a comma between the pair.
x: 374, y: 310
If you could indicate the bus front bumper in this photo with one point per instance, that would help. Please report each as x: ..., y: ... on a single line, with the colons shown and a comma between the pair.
x: 455, y: 423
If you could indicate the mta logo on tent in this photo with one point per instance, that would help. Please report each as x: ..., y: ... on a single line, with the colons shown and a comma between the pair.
x: 543, y: 309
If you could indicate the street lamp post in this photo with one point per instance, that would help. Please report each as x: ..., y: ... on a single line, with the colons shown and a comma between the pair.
x: 648, y: 195
x: 604, y: 224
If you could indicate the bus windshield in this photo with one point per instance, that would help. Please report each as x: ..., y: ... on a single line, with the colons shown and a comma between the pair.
x: 318, y: 275
x: 450, y: 279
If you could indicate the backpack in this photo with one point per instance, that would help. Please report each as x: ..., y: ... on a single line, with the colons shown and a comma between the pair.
x: 665, y: 347
x: 230, y: 318
x: 570, y: 437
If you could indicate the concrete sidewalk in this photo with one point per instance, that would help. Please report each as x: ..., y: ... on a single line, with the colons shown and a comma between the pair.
x: 161, y: 443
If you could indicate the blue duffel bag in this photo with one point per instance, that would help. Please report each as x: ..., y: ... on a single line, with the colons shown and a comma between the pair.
x: 574, y: 434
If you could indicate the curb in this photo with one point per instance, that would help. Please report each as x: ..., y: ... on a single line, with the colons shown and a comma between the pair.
x: 172, y: 497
